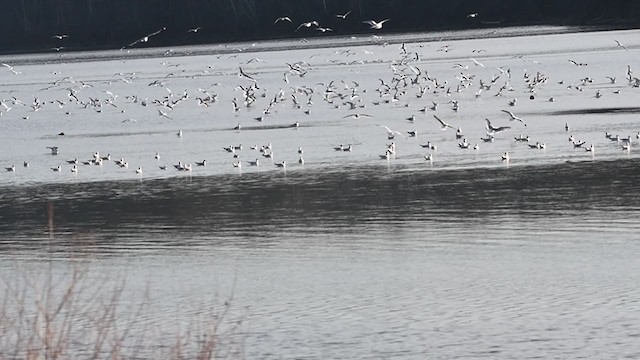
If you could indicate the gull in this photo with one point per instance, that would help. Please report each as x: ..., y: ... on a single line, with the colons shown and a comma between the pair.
x: 476, y: 62
x: 591, y: 149
x: 139, y: 170
x: 505, y: 156
x: 321, y: 29
x: 577, y: 63
x: 163, y: 167
x: 375, y: 25
x: 413, y: 133
x: 300, y: 151
x: 620, y: 44
x: 130, y: 120
x: 443, y: 124
x: 195, y: 30
x: 57, y: 169
x: 25, y: 164
x: 356, y: 116
x: 254, y: 163
x: 11, y: 169
x: 343, y: 16
x: 301, y: 161
x: 513, y: 117
x: 54, y: 150
x: 244, y: 75
x: 308, y: 24
x: 74, y: 169
x: 494, y: 129
x: 164, y: 114
x: 429, y: 157
x: 157, y: 156
x: 472, y: 15
x: 60, y: 37
x: 489, y: 138
x: 179, y: 133
x: 203, y: 163
x: 145, y: 38
x: 566, y: 126
x: 282, y: 18
x: 281, y: 164
x: 237, y: 164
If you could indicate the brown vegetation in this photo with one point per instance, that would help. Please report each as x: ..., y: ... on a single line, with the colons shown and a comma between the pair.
x: 76, y: 317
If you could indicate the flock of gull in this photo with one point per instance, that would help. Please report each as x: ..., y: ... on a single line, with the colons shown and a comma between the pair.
x: 408, y: 81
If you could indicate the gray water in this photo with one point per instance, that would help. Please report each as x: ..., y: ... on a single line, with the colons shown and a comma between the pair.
x: 348, y: 255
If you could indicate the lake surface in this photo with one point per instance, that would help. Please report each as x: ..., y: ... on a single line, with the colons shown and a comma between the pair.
x: 348, y: 255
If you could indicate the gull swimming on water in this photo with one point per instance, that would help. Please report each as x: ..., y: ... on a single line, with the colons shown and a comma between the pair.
x: 11, y: 169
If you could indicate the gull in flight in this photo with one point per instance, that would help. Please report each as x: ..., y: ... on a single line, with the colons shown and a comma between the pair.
x: 476, y: 62
x: 145, y: 39
x: 513, y: 117
x: 494, y: 129
x: 620, y: 44
x: 164, y: 114
x: 443, y: 124
x: 60, y: 37
x: 356, y: 116
x: 375, y: 25
x: 343, y: 16
x: 282, y: 18
x: 195, y: 30
x: 308, y: 24
x: 392, y: 133
x: 244, y: 75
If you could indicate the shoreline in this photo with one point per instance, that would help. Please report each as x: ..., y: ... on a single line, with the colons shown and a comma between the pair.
x: 35, y: 58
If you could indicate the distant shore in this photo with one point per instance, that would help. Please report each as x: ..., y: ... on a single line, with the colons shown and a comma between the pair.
x: 36, y: 57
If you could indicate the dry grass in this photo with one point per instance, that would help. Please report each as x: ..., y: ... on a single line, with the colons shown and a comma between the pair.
x: 78, y: 318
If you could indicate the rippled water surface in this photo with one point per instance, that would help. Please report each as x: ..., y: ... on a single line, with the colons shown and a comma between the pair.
x: 348, y: 255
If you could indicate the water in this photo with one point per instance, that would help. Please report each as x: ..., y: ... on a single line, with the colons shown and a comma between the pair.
x: 347, y: 256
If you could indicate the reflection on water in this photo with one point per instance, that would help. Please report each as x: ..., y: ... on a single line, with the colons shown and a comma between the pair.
x: 362, y: 262
x: 258, y: 209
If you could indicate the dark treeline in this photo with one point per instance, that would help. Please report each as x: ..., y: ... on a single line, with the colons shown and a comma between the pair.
x: 31, y: 24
